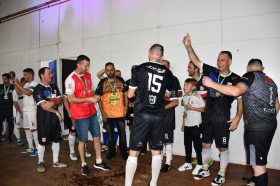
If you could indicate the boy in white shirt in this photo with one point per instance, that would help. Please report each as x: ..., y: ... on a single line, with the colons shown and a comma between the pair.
x: 194, y: 105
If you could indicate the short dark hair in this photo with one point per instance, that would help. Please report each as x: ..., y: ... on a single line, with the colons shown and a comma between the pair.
x: 191, y: 62
x: 166, y: 61
x: 7, y: 75
x: 29, y: 70
x: 157, y: 47
x: 191, y: 81
x: 118, y: 71
x: 255, y: 62
x: 81, y: 58
x: 22, y: 79
x: 227, y: 52
x: 12, y: 73
x: 109, y: 63
x: 42, y: 71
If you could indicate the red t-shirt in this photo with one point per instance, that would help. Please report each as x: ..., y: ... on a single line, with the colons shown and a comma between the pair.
x: 81, y: 87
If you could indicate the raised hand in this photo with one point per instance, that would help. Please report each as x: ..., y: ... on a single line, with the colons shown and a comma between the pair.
x: 187, y: 40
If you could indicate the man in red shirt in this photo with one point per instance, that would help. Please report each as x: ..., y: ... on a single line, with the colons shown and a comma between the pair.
x: 79, y: 90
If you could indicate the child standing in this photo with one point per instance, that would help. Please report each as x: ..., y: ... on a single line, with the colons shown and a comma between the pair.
x: 194, y: 105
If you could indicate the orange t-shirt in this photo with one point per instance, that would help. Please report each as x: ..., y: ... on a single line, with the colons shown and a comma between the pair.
x: 112, y: 97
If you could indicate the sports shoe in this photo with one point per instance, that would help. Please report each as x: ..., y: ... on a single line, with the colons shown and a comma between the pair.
x: 165, y: 168
x: 73, y: 156
x: 59, y: 164
x: 219, y: 180
x: 185, y: 166
x: 19, y: 142
x: 202, y: 174
x: 102, y: 166
x: 34, y: 153
x: 196, y: 169
x: 27, y: 150
x: 87, y: 154
x: 41, y: 167
x: 85, y: 170
x: 248, y: 181
x: 104, y: 148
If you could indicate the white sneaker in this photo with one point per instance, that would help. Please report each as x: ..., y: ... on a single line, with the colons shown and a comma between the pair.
x: 196, y: 169
x: 88, y: 155
x: 73, y: 157
x: 185, y: 166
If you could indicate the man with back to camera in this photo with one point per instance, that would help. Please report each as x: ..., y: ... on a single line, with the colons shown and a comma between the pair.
x: 153, y: 81
x: 216, y: 120
x: 80, y: 94
x: 261, y: 106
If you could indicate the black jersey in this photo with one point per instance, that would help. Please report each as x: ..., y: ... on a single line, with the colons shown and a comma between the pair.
x: 48, y: 124
x: 152, y: 80
x: 6, y: 101
x: 259, y: 102
x: 170, y: 113
x: 216, y: 102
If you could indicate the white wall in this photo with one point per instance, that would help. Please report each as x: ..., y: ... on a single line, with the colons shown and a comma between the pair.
x: 122, y: 30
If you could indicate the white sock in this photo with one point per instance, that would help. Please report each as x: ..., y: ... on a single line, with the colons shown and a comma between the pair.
x: 98, y: 161
x: 16, y: 132
x: 41, y: 152
x: 28, y: 135
x: 206, y: 155
x: 71, y: 140
x: 35, y: 137
x: 169, y: 152
x: 156, y: 165
x: 55, y: 149
x: 130, y: 169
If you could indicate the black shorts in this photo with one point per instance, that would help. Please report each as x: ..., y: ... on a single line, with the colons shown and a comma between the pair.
x: 49, y: 129
x: 147, y: 128
x: 257, y: 145
x: 216, y: 127
x: 169, y: 126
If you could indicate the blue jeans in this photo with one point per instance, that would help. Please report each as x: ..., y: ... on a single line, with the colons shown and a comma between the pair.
x: 87, y: 124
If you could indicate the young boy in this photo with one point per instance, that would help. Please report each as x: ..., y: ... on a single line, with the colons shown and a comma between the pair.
x: 194, y: 105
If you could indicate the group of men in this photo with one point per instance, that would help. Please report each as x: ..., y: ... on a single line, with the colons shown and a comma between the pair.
x: 153, y: 92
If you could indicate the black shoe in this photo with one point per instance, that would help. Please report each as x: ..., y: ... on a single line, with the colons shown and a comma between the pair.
x: 165, y: 168
x: 85, y: 170
x: 102, y: 166
x: 248, y: 180
x: 110, y: 155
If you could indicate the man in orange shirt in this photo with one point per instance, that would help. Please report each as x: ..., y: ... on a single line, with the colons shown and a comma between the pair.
x: 113, y: 105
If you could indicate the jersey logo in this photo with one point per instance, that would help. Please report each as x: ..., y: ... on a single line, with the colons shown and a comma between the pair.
x: 152, y: 99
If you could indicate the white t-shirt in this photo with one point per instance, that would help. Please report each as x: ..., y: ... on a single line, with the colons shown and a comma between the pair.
x: 29, y: 104
x: 193, y: 117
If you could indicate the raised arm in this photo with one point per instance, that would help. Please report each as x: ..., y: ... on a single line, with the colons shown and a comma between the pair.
x: 192, y: 55
x: 101, y: 73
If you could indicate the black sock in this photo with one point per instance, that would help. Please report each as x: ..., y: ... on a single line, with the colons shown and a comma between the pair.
x: 261, y: 180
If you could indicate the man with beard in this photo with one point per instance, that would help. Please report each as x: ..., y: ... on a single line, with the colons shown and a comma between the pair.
x: 113, y: 106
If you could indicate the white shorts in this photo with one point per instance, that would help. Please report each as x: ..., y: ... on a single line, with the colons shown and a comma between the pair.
x: 29, y: 120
